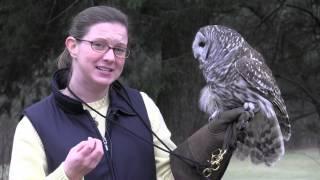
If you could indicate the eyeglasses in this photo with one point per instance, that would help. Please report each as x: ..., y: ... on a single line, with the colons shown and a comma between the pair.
x: 102, y: 46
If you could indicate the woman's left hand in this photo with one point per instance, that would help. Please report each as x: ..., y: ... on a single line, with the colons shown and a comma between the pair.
x: 83, y: 158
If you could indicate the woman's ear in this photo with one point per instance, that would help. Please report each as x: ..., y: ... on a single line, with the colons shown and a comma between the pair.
x: 72, y: 46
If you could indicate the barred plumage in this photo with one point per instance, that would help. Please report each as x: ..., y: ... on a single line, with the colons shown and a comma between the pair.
x: 237, y: 74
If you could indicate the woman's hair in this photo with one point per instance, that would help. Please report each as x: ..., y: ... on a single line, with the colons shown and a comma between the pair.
x: 84, y: 20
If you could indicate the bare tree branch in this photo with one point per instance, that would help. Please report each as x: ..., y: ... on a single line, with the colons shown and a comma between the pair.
x: 272, y: 13
x: 63, y: 11
x: 300, y: 85
x: 256, y: 13
x: 91, y: 2
x: 296, y: 118
x: 54, y: 3
x: 314, y: 17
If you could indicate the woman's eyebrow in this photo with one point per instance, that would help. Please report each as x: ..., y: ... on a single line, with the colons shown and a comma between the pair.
x: 112, y: 42
x: 121, y: 44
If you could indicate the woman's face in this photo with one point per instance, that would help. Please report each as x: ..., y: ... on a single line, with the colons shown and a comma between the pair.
x: 91, y: 67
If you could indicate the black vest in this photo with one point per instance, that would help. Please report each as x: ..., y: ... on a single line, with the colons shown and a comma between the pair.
x: 61, y: 123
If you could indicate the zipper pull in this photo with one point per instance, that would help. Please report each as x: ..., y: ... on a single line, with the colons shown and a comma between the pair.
x: 105, y: 143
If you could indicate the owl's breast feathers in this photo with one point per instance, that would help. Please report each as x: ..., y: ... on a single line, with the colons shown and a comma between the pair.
x: 229, y: 92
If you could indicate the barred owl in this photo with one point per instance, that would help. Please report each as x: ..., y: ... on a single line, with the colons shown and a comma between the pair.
x: 237, y: 76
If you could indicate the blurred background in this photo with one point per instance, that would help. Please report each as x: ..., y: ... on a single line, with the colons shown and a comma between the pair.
x: 286, y: 32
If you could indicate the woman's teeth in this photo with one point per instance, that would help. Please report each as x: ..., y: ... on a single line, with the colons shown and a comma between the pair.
x: 104, y: 68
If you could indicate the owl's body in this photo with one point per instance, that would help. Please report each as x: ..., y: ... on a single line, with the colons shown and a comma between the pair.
x: 236, y: 74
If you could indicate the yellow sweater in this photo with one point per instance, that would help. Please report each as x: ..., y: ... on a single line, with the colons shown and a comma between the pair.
x: 28, y: 160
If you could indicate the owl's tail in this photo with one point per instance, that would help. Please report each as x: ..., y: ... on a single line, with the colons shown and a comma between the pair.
x: 284, y: 126
x: 262, y: 141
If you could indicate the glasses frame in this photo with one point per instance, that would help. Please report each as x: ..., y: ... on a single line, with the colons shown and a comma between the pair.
x: 109, y: 47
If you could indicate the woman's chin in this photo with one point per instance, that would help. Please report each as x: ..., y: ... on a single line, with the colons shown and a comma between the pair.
x: 105, y: 82
x: 105, y: 78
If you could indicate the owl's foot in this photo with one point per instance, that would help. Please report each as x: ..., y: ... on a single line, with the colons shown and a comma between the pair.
x: 243, y: 120
x: 250, y: 110
x: 214, y: 116
x: 251, y: 107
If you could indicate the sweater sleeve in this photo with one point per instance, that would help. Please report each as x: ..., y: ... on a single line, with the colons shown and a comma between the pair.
x: 159, y: 127
x: 28, y: 159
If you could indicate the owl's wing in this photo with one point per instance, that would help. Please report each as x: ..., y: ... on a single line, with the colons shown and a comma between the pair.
x: 260, y: 78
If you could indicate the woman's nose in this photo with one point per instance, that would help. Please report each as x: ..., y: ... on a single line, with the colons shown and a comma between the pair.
x: 109, y: 55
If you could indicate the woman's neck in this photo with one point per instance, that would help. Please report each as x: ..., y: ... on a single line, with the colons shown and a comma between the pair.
x: 88, y: 93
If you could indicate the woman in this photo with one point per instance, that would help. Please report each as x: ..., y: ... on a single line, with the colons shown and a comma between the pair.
x: 92, y: 127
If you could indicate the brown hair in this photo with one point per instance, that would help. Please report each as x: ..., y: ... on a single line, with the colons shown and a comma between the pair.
x: 84, y: 20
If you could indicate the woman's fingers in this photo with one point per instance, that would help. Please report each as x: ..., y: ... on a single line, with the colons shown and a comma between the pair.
x: 83, y: 157
x: 79, y: 146
x: 88, y: 147
x: 96, y: 154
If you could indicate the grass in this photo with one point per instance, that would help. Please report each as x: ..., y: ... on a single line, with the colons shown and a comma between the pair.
x: 295, y: 165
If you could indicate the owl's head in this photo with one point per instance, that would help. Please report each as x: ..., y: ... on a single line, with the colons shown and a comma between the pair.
x: 213, y: 42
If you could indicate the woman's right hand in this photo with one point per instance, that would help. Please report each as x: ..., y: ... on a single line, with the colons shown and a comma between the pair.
x: 83, y: 158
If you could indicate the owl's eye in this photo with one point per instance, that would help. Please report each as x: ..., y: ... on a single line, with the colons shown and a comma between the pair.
x: 202, y: 44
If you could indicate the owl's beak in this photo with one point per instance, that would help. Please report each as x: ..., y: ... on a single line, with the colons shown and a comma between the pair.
x: 196, y: 56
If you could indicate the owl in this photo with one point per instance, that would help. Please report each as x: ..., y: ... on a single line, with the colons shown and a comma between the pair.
x: 236, y: 75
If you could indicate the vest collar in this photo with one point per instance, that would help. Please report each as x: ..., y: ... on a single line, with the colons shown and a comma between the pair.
x: 67, y: 104
x: 119, y: 99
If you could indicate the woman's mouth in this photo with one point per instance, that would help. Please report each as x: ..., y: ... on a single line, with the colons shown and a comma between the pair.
x: 103, y: 68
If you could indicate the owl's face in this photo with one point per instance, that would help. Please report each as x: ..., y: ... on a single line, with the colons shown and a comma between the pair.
x: 212, y: 43
x: 204, y: 43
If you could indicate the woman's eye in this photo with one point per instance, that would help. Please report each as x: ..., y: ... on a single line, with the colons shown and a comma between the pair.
x: 99, y: 45
x: 120, y: 50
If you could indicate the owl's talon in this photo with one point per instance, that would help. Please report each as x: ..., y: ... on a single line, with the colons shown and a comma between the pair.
x: 243, y: 120
x: 242, y: 125
x: 248, y: 106
x: 214, y: 116
x: 251, y: 107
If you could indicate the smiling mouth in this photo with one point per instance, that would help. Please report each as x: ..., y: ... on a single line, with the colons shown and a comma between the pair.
x: 102, y: 68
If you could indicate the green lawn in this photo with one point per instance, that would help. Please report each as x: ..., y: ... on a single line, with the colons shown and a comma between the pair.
x: 296, y: 165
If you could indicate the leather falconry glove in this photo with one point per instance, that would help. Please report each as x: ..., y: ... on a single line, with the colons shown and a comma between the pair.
x: 203, y: 155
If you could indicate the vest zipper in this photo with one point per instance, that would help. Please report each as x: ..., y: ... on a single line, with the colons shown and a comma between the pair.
x: 113, y: 172
x: 105, y: 143
x: 102, y: 138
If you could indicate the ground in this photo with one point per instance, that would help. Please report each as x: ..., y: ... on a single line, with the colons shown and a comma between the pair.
x: 296, y: 165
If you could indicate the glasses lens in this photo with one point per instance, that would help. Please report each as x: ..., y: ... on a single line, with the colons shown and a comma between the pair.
x: 100, y: 46
x: 121, y: 52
